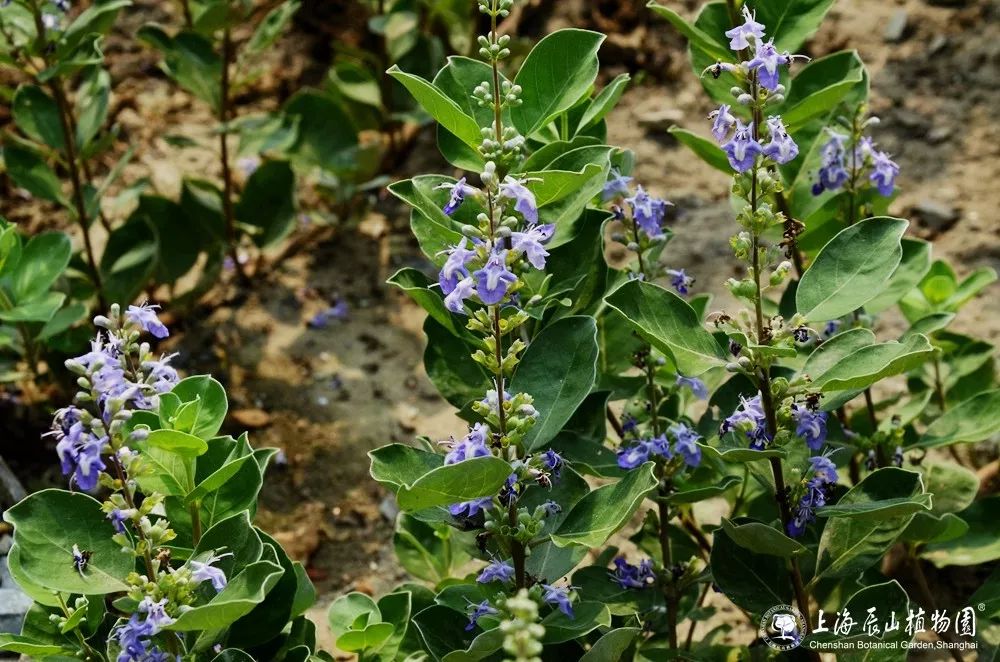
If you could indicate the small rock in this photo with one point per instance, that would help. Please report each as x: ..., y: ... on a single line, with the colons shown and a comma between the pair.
x: 939, y: 134
x: 895, y: 29
x: 935, y: 215
x: 388, y: 508
x: 251, y: 418
x: 938, y: 44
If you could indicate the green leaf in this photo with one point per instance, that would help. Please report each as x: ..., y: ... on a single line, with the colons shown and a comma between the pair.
x: 978, y: 546
x: 954, y: 487
x: 753, y: 581
x: 558, y: 370
x: 438, y: 105
x: 47, y: 525
x: 213, y: 403
x: 43, y: 260
x: 852, y: 269
x: 351, y: 610
x: 888, y: 598
x: 397, y: 465
x: 819, y: 87
x: 850, y: 545
x: 449, y: 365
x: 62, y: 320
x: 557, y: 73
x: 423, y: 549
x: 975, y: 419
x: 605, y: 510
x: 697, y: 37
x: 39, y: 310
x: 238, y: 598
x: 327, y: 137
x: 603, y: 103
x: 791, y: 22
x: 418, y: 287
x: 174, y: 441
x: 761, y: 538
x: 868, y: 365
x: 594, y: 582
x: 915, y: 263
x: 371, y: 637
x: 29, y: 171
x: 92, y: 101
x: 611, y: 646
x: 587, y: 617
x: 453, y: 483
x: 268, y: 203
x: 670, y: 324
x: 706, y: 149
x: 190, y: 60
x: 37, y: 114
x: 234, y: 535
x: 12, y: 643
x: 689, y: 494
x: 269, y: 30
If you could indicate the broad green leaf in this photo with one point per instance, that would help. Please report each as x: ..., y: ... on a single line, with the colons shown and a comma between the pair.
x: 62, y: 320
x: 43, y: 260
x: 370, y: 637
x: 37, y: 114
x: 670, y: 324
x: 271, y: 27
x: 558, y: 71
x: 558, y: 370
x: 268, y: 619
x: 551, y: 186
x: 975, y: 419
x: 706, y: 149
x: 423, y: 549
x: 611, y: 646
x: 190, y: 59
x: 913, y: 266
x: 978, y: 546
x: 440, y: 107
x: 819, y: 87
x: 92, y: 101
x: 852, y: 269
x: 174, y: 441
x: 733, y: 447
x: 605, y: 510
x: 603, y: 103
x: 435, y: 232
x: 453, y: 483
x: 927, y: 528
x: 587, y: 617
x: 694, y: 494
x: 12, y: 643
x: 235, y: 536
x: 327, y: 137
x: 449, y: 365
x: 761, y: 538
x: 396, y: 465
x: 30, y: 172
x: 696, y: 36
x: 48, y: 524
x: 238, y: 598
x: 595, y: 583
x: 753, y: 581
x: 268, y: 203
x: 213, y: 403
x: 39, y: 310
x: 217, y: 479
x: 850, y: 545
x: 351, y: 610
x: 887, y: 598
x: 868, y: 365
x: 418, y: 287
x: 831, y: 352
x: 33, y: 591
x: 791, y: 22
x: 954, y: 487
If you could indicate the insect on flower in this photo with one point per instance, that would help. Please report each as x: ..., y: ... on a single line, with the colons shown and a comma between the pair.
x: 81, y: 559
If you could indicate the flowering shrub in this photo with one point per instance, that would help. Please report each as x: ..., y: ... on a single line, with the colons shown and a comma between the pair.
x: 169, y: 565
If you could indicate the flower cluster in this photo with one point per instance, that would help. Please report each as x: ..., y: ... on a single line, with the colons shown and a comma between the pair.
x: 685, y: 446
x: 810, y: 425
x: 824, y: 475
x: 486, y: 262
x: 117, y: 376
x: 744, y: 142
x: 864, y: 162
x: 631, y: 576
x: 750, y: 419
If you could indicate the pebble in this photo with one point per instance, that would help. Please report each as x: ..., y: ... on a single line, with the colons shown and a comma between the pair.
x: 388, y: 508
x: 935, y: 215
x: 895, y: 29
x: 251, y: 418
x: 939, y: 134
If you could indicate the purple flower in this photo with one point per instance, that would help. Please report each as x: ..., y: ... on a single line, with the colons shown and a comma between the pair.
x: 811, y: 426
x: 559, y: 597
x: 144, y: 317
x: 740, y: 35
x: 750, y: 419
x: 458, y: 192
x: 156, y: 615
x: 553, y: 461
x: 697, y: 386
x: 477, y: 611
x: 455, y: 301
x: 884, y: 172
x: 766, y: 61
x: 493, y: 280
x: 454, y: 268
x: 524, y: 200
x: 497, y: 571
x: 79, y: 449
x: 338, y: 311
x: 470, y: 508
x: 742, y: 148
x: 633, y: 576
x: 634, y: 455
x: 824, y: 475
x: 686, y: 444
x: 648, y: 212
x: 118, y: 518
x: 202, y: 571
x: 660, y: 446
x: 473, y: 445
x: 617, y: 185
x: 723, y: 121
x: 782, y: 148
x: 832, y: 173
x: 530, y: 243
x: 680, y: 281
x: 551, y: 508
x: 133, y: 639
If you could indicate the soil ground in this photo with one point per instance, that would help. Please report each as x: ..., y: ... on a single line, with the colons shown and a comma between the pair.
x: 327, y: 396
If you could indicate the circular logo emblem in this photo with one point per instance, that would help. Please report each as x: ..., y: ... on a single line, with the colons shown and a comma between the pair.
x: 782, y: 627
